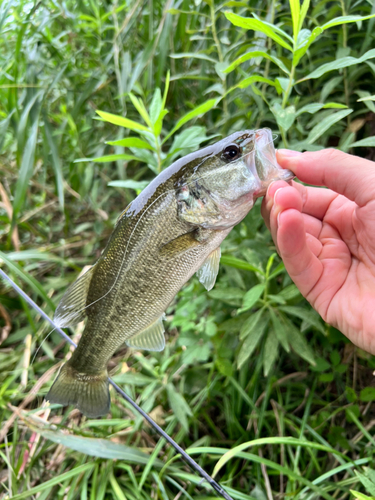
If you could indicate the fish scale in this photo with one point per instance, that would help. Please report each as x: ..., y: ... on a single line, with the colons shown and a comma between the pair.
x: 172, y: 230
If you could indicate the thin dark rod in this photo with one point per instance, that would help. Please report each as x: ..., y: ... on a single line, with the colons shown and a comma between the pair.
x: 193, y: 464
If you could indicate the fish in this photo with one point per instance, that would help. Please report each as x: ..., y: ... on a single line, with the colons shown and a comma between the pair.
x: 170, y: 232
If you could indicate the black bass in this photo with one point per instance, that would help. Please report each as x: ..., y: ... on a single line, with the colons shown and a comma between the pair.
x: 171, y: 231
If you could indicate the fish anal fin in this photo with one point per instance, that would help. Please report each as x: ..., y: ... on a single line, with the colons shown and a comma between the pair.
x: 72, y: 307
x: 208, y: 272
x: 150, y: 339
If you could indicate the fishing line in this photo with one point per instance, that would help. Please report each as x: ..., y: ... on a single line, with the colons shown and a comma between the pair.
x: 190, y: 461
x: 45, y: 338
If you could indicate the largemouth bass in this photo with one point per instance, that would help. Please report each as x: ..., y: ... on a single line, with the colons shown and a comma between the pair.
x: 171, y: 231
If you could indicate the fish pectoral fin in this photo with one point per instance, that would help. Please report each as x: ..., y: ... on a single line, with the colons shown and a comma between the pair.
x: 150, y: 339
x: 179, y: 245
x: 208, y: 272
x: 72, y: 307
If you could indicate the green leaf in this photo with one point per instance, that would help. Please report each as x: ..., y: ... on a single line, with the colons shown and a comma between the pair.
x: 367, y: 98
x: 26, y: 170
x: 317, y: 106
x: 129, y: 184
x: 284, y: 117
x: 56, y: 164
x: 166, y: 88
x: 367, y: 394
x: 252, y: 55
x: 295, y: 9
x: 301, y: 51
x: 343, y: 62
x: 257, y: 25
x: 298, y: 342
x: 360, y: 496
x: 271, y: 350
x: 251, y: 323
x: 368, y: 142
x: 140, y: 107
x: 75, y: 471
x: 252, y: 340
x: 27, y: 278
x: 253, y: 79
x: 193, y: 55
x: 325, y: 124
x: 95, y: 447
x: 121, y: 121
x: 367, y: 483
x: 344, y: 20
x: 252, y: 296
x: 308, y: 315
x: 290, y: 292
x: 228, y: 260
x: 131, y: 142
x: 303, y: 12
x: 179, y: 406
x: 280, y: 329
x: 156, y: 106
x: 198, y: 111
x: 108, y: 158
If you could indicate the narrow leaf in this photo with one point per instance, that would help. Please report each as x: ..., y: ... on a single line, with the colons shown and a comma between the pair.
x: 228, y: 260
x: 295, y: 8
x: 198, y: 111
x: 257, y: 25
x: 129, y: 184
x: 26, y: 170
x: 345, y: 19
x: 251, y: 297
x: 325, y: 124
x: 343, y: 62
x: 271, y: 350
x: 254, y: 54
x: 251, y: 341
x: 121, y: 121
x: 55, y: 163
x: 140, y: 107
x: 367, y: 142
x: 131, y: 142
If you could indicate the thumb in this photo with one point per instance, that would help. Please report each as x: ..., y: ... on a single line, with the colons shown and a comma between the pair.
x: 345, y: 174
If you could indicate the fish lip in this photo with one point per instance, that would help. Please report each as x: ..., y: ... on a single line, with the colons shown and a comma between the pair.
x: 263, y: 140
x: 285, y: 175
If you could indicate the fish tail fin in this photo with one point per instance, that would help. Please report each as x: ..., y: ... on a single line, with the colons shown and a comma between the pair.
x: 87, y: 392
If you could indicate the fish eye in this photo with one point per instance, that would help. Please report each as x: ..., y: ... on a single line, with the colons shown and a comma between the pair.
x: 231, y: 152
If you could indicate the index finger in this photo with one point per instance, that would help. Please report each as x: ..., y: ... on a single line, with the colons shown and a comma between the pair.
x: 349, y: 175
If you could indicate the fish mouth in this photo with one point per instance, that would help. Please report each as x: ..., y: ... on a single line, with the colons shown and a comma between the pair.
x: 262, y: 162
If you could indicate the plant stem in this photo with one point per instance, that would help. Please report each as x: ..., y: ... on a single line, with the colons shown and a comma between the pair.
x: 345, y: 72
x: 289, y: 88
x: 219, y: 52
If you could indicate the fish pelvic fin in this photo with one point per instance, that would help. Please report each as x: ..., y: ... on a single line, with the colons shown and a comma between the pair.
x: 87, y: 392
x: 208, y: 272
x: 72, y: 307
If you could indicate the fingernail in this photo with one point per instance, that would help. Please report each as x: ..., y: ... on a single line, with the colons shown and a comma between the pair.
x: 275, y: 195
x: 288, y: 152
x: 278, y: 219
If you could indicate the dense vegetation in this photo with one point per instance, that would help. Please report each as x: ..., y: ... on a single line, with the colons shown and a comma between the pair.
x: 248, y: 367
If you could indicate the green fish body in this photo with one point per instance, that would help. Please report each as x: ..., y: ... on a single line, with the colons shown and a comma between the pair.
x: 171, y: 231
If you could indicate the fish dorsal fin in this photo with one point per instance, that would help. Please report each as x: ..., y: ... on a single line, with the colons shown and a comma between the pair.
x: 208, y: 272
x: 151, y: 339
x: 72, y: 307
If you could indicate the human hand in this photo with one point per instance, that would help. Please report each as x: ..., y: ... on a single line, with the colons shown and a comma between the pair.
x: 326, y: 237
